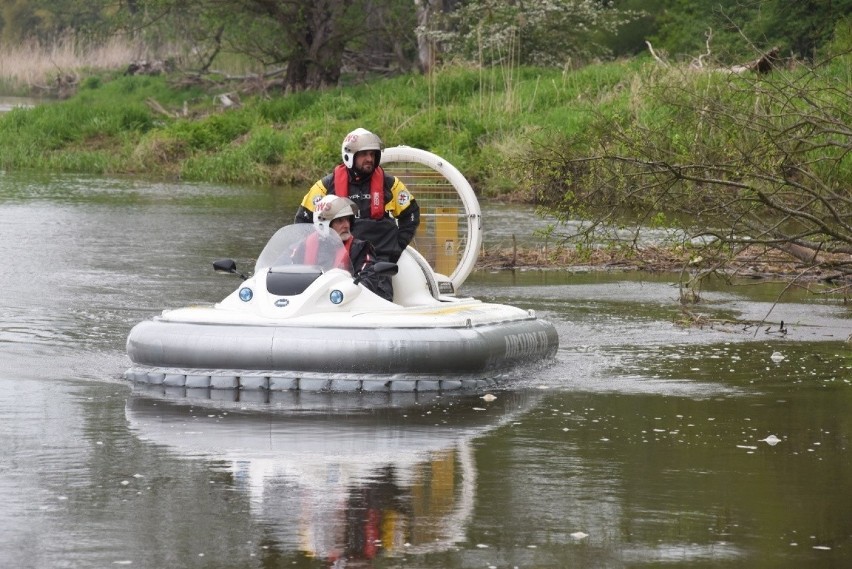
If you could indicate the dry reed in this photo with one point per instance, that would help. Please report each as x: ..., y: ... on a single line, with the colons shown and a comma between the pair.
x: 34, y: 64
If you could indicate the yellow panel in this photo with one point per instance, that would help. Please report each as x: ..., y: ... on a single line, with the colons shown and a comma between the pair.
x: 446, y: 239
x: 442, y: 234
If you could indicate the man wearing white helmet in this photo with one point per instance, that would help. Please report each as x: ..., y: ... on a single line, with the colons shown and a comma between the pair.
x: 389, y: 214
x: 333, y: 219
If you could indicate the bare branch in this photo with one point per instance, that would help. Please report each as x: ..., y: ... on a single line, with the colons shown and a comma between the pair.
x: 725, y: 162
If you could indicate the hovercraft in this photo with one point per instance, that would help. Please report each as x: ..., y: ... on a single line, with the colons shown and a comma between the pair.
x: 316, y: 328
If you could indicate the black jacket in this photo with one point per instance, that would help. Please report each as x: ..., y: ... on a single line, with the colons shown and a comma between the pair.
x: 388, y: 235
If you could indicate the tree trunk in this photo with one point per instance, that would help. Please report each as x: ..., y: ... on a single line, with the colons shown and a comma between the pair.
x: 297, y: 72
x: 425, y: 46
x: 427, y: 11
x: 317, y: 61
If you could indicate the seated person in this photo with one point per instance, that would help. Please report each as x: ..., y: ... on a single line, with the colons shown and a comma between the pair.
x: 333, y: 219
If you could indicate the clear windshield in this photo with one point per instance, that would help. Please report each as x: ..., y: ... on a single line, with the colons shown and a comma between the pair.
x: 301, y: 244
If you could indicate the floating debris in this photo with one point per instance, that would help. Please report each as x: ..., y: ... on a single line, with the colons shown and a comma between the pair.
x: 579, y: 535
x: 777, y: 357
x: 771, y: 440
x: 488, y: 397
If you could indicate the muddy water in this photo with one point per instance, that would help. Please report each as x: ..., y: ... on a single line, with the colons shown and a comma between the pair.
x: 642, y: 444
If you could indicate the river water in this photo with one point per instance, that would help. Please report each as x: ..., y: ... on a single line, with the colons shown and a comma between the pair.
x: 9, y: 103
x: 643, y: 444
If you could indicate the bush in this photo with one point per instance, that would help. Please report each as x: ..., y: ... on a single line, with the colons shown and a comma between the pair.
x: 211, y: 133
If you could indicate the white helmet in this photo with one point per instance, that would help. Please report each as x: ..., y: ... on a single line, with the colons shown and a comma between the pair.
x: 358, y: 140
x: 330, y: 208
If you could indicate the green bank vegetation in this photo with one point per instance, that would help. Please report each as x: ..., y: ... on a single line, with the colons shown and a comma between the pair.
x: 151, y: 126
x: 730, y: 160
x: 737, y: 167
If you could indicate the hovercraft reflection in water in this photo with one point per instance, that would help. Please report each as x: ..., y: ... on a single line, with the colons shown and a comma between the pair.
x: 267, y: 333
x: 336, y: 476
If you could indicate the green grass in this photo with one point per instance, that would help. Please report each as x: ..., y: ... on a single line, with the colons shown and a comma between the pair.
x: 483, y: 120
x: 476, y: 118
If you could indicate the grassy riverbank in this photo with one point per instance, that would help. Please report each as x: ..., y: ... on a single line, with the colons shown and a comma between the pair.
x: 487, y: 122
x: 481, y: 120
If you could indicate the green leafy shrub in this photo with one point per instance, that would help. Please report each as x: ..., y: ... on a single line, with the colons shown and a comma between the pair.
x: 265, y: 146
x: 211, y: 133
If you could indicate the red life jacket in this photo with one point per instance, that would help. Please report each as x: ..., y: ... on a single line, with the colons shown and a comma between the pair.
x: 377, y: 189
x: 341, y: 261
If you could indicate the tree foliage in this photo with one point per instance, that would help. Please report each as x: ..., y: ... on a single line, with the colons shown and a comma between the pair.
x: 798, y: 29
x: 311, y: 40
x: 45, y: 20
x: 534, y: 32
x: 319, y: 42
x: 304, y: 38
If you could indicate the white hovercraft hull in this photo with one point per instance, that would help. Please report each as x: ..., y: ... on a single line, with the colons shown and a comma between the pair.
x: 308, y: 328
x: 402, y: 353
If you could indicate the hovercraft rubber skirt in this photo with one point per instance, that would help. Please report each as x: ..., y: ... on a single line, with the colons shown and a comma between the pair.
x: 249, y: 357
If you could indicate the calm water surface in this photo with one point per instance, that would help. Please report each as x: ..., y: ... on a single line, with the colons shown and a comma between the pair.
x: 643, y: 444
x: 8, y: 103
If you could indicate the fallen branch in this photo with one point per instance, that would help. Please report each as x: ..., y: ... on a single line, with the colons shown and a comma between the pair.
x: 158, y: 108
x: 656, y: 57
